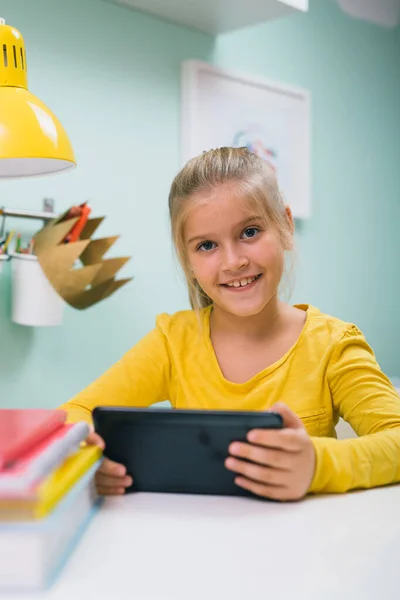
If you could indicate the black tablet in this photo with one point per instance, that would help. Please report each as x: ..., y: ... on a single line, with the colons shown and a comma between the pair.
x: 178, y: 451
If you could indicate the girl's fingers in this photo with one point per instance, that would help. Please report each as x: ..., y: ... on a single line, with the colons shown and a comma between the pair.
x: 103, y: 480
x: 256, y: 472
x: 290, y: 440
x: 290, y: 419
x: 108, y: 491
x: 273, y: 492
x: 264, y: 456
x: 93, y: 439
x: 109, y: 467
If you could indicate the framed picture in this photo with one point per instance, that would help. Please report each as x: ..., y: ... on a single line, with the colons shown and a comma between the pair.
x: 221, y: 108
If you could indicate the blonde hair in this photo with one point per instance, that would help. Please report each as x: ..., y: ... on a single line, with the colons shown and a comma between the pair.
x: 256, y: 182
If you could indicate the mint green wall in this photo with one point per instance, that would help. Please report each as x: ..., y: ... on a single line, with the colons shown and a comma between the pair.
x: 112, y: 77
x: 349, y: 250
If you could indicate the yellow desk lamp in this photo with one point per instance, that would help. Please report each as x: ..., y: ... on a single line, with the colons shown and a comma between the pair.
x: 32, y: 140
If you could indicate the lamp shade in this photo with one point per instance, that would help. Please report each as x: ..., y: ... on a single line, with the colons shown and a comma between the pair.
x: 32, y: 139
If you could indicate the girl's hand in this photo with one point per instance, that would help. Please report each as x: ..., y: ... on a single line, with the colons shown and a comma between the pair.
x: 110, y: 478
x: 284, y: 459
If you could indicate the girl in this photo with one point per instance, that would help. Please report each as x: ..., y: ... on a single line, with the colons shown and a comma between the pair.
x: 242, y: 348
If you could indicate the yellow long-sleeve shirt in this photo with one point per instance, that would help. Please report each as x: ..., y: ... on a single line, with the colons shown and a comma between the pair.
x: 329, y: 372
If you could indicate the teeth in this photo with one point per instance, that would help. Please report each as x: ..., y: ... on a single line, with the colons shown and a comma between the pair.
x: 242, y: 282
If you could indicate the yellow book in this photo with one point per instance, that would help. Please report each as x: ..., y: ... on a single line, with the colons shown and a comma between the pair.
x: 41, y: 499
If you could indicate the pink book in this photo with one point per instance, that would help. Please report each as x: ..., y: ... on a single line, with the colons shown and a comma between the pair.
x: 40, y: 460
x: 22, y: 429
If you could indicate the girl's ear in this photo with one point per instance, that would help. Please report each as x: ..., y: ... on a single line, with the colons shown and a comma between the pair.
x: 290, y: 219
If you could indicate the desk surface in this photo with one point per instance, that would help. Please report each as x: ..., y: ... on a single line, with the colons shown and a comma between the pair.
x: 162, y: 547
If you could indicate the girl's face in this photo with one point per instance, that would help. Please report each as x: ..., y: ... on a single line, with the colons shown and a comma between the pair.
x: 237, y: 261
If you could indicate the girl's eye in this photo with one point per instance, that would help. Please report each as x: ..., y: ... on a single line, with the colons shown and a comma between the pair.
x: 206, y: 246
x: 250, y: 232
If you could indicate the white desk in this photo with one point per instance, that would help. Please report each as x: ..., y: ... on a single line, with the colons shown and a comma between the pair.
x: 164, y: 547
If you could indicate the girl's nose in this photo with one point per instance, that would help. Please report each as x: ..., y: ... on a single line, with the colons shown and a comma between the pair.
x: 233, y: 260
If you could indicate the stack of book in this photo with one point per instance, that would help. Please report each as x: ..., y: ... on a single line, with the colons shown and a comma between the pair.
x: 47, y: 494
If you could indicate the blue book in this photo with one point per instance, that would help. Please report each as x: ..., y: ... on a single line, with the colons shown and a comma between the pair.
x: 32, y: 553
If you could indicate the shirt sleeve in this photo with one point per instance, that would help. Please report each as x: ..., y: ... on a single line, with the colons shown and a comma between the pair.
x: 140, y: 378
x: 364, y: 397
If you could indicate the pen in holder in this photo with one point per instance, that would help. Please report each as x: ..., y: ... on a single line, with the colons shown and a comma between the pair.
x: 35, y: 303
x: 63, y: 264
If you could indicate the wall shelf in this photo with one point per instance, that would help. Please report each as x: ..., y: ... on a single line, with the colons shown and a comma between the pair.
x: 18, y: 213
x: 217, y: 16
x: 27, y: 214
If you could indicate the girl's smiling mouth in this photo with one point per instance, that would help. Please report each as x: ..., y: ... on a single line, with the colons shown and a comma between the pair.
x: 244, y: 283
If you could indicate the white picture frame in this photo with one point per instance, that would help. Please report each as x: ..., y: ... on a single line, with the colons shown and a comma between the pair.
x: 223, y: 108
